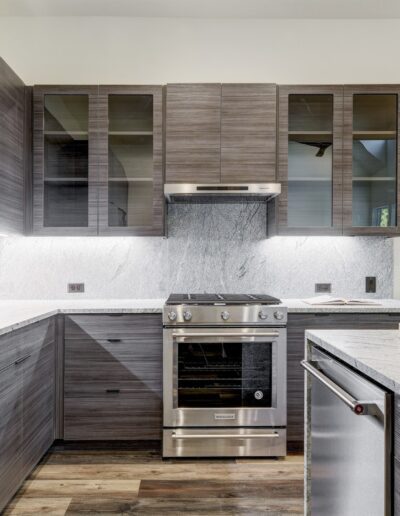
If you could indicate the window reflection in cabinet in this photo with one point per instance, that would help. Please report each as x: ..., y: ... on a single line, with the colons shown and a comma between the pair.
x: 310, y: 160
x: 374, y: 162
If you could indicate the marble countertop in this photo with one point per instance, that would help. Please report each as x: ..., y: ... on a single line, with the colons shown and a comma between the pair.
x: 18, y: 313
x: 376, y: 353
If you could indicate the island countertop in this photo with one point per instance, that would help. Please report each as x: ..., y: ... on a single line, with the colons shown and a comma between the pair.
x: 375, y: 353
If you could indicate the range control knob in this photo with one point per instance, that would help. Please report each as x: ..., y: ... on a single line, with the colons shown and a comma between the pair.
x: 187, y: 315
x: 225, y: 315
x: 262, y: 314
x: 172, y: 316
x: 279, y: 315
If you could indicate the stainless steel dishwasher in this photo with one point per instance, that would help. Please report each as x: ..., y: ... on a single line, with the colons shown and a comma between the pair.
x: 351, y: 441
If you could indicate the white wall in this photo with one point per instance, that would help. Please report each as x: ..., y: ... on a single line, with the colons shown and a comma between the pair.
x: 150, y: 50
x: 153, y: 50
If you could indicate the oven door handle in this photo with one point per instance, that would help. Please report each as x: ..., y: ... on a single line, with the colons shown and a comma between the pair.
x: 231, y: 334
x: 224, y: 436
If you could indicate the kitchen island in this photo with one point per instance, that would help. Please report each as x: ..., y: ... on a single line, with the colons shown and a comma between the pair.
x: 373, y: 355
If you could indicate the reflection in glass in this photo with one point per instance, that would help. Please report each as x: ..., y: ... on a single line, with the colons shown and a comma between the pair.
x: 310, y: 160
x: 374, y: 160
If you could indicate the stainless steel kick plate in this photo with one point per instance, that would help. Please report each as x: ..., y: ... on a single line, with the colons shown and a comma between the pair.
x: 76, y: 288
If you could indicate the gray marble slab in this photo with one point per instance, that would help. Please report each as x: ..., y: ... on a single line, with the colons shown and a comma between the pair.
x: 375, y: 353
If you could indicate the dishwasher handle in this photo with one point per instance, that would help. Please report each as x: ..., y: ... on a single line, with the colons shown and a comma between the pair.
x: 359, y: 408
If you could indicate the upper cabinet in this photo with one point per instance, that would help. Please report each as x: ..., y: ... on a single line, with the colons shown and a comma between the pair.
x: 130, y: 160
x: 193, y: 133
x: 98, y: 160
x: 64, y: 160
x: 370, y: 155
x: 220, y: 133
x: 309, y: 161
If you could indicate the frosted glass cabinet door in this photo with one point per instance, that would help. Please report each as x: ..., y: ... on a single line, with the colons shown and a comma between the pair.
x: 130, y: 142
x: 310, y: 130
x: 371, y: 159
x: 64, y: 179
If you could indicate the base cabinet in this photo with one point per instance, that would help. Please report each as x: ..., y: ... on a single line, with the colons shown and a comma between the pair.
x: 297, y: 325
x: 27, y: 403
x: 113, y: 377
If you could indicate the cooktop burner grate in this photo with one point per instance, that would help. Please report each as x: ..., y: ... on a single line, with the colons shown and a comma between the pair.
x: 211, y: 299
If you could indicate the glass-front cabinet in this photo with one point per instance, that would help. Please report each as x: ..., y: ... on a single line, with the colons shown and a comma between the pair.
x: 64, y: 191
x: 130, y: 166
x: 370, y: 151
x: 97, y: 164
x: 310, y: 130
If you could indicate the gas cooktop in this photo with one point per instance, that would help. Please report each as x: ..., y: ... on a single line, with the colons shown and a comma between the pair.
x: 217, y: 299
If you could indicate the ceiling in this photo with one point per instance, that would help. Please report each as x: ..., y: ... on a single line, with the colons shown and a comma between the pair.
x: 299, y: 9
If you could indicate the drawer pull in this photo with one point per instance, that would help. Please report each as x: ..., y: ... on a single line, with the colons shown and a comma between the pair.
x: 113, y: 391
x: 22, y: 359
x: 114, y: 340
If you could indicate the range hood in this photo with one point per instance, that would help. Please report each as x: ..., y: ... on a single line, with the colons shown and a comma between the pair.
x: 226, y: 192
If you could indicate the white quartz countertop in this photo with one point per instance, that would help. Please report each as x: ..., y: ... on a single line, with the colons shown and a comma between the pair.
x: 376, y: 353
x: 18, y: 313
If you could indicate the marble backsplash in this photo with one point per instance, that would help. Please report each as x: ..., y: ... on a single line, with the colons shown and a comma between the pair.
x: 210, y: 248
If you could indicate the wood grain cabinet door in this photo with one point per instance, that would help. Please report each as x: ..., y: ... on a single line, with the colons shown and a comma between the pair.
x: 113, y: 377
x: 65, y: 160
x: 130, y: 160
x: 193, y: 133
x: 248, y: 133
x: 310, y: 131
x: 371, y: 155
x: 38, y: 403
x: 10, y: 432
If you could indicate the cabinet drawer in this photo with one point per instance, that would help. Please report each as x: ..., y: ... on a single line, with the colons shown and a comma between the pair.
x: 20, y: 343
x: 92, y: 366
x: 113, y: 416
x: 136, y: 327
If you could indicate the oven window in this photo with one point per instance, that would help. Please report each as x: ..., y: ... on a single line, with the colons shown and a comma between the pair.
x: 225, y: 374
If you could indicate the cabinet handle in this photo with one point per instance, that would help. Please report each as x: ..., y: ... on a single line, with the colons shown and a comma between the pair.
x: 22, y: 359
x: 114, y: 340
x: 113, y: 391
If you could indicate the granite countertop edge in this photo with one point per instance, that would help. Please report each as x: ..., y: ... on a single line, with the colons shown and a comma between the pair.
x: 325, y: 339
x: 15, y: 314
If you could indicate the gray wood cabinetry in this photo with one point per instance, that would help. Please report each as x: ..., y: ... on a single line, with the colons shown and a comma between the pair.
x: 130, y: 160
x: 113, y: 377
x: 371, y: 190
x: 220, y: 133
x: 27, y: 403
x: 14, y: 150
x: 248, y: 133
x: 297, y: 324
x: 64, y: 160
x: 310, y: 133
x: 193, y: 133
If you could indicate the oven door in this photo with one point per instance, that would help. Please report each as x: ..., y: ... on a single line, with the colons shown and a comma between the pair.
x: 231, y: 377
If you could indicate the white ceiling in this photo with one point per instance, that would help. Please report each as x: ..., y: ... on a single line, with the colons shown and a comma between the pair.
x: 205, y: 8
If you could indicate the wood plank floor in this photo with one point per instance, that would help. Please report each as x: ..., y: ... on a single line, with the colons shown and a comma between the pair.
x: 83, y: 479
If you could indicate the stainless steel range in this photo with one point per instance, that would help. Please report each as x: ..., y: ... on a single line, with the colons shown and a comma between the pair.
x: 224, y: 376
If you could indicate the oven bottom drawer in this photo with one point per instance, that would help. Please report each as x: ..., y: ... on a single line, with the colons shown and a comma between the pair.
x: 224, y: 442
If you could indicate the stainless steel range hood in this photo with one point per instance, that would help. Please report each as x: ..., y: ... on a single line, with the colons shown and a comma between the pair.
x: 227, y: 192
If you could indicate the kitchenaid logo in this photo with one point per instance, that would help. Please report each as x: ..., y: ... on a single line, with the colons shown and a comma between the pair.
x: 224, y: 416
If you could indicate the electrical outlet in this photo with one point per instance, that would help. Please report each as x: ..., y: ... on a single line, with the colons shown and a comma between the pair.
x: 323, y: 288
x: 370, y: 284
x: 76, y: 288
